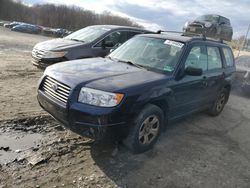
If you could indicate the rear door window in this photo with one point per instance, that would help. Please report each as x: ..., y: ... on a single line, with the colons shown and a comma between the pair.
x: 214, y: 58
x: 224, y: 20
x: 228, y: 57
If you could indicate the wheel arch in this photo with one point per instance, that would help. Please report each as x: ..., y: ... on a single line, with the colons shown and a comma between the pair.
x: 228, y: 88
x: 164, y: 106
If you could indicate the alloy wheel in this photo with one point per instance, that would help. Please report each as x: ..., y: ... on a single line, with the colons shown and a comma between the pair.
x: 221, y: 102
x: 149, y: 129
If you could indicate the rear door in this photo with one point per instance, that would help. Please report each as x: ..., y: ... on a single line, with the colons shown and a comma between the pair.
x: 215, y: 73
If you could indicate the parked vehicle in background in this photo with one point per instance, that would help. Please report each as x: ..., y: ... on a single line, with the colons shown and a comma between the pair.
x: 12, y: 24
x: 92, y: 41
x: 27, y: 28
x: 3, y: 22
x: 211, y: 25
x: 139, y: 88
x: 48, y: 31
x: 243, y: 73
x: 61, y: 32
x: 39, y: 27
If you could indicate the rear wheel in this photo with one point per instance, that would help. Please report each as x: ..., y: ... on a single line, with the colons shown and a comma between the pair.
x: 219, y: 103
x: 146, y: 129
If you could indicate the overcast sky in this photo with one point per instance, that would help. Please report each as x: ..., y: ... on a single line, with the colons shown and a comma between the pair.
x: 167, y: 14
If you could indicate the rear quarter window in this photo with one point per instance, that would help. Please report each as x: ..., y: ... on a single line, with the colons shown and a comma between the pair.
x: 228, y: 57
x: 225, y: 20
x: 214, y: 58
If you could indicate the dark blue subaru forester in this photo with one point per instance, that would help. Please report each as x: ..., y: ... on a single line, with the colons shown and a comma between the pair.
x: 140, y: 87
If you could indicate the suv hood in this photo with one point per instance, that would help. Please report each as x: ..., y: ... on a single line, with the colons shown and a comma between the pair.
x: 57, y: 44
x: 101, y: 73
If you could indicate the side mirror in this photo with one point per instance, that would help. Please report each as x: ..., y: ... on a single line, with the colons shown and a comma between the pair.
x: 115, y: 46
x: 108, y: 44
x: 193, y: 71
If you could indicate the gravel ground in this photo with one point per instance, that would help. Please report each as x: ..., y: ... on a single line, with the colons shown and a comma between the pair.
x: 18, y: 77
x: 35, y: 151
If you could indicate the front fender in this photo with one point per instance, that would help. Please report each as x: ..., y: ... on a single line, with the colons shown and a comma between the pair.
x: 162, y: 96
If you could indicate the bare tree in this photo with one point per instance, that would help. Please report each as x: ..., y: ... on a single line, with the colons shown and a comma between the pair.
x: 58, y: 16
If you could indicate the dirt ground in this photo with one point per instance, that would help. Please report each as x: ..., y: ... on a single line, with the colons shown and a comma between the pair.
x: 35, y: 151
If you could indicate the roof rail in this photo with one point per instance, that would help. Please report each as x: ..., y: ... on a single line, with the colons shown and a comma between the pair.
x: 217, y: 40
x: 190, y: 34
x: 161, y: 31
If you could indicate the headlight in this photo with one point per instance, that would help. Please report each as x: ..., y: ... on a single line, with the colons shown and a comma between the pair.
x: 208, y: 24
x: 51, y: 54
x: 99, y: 98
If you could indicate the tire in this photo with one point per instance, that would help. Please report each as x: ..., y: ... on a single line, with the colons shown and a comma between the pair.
x: 219, y: 103
x: 145, y: 130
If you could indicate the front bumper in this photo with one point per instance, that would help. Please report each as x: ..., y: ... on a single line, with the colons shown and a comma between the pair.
x: 198, y: 29
x: 84, y: 119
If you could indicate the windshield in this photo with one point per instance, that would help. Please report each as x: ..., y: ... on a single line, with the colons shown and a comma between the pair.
x: 155, y: 53
x: 88, y: 34
x: 209, y: 18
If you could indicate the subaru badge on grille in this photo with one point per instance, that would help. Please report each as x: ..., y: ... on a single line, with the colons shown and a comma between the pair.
x: 54, y: 87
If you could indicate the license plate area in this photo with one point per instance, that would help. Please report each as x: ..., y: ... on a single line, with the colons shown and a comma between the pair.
x: 192, y: 29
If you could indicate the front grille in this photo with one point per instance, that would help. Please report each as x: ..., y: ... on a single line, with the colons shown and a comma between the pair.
x: 196, y: 25
x: 195, y: 30
x: 38, y: 54
x: 55, y: 89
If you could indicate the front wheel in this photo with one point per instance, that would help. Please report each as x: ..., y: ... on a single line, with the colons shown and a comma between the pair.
x: 219, y: 103
x: 145, y: 130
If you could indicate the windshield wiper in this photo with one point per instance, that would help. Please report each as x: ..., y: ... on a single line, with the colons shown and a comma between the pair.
x: 77, y: 40
x: 110, y: 58
x: 131, y: 63
x: 128, y: 62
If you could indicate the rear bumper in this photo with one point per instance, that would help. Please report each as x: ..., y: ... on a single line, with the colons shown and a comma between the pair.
x: 83, y: 119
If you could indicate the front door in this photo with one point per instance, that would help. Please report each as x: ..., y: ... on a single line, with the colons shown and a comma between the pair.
x: 103, y: 47
x: 190, y: 91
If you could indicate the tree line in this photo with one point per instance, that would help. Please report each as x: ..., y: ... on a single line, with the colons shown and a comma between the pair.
x: 58, y: 16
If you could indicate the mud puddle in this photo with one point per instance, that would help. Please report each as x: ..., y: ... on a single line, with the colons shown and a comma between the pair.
x: 15, y: 146
x: 20, y: 138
